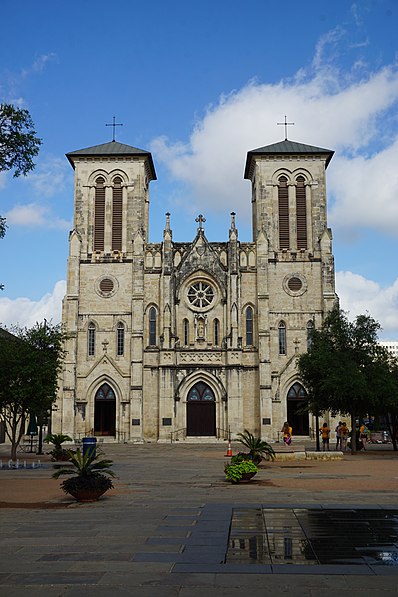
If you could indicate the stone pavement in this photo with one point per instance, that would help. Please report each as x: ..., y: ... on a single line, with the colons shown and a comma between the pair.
x: 163, y: 530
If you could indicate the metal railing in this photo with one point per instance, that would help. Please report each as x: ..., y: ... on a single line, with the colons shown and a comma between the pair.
x: 174, y: 435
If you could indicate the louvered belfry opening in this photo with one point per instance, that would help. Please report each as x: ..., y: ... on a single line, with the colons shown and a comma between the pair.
x: 117, y: 214
x: 301, y: 211
x: 99, y: 214
x: 283, y: 205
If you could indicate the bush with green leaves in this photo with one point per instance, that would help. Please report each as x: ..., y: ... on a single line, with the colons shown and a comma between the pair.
x: 87, y: 473
x: 57, y: 439
x: 258, y: 448
x: 235, y: 472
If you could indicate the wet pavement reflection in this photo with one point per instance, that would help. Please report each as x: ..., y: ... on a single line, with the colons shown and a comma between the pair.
x: 318, y: 536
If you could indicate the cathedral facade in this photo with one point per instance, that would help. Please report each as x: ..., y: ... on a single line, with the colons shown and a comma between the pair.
x: 196, y: 339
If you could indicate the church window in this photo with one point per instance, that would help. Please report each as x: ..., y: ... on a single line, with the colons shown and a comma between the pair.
x: 249, y: 326
x: 91, y: 340
x: 216, y: 338
x: 120, y: 339
x: 186, y: 332
x: 295, y: 284
x: 283, y: 207
x: 301, y: 213
x: 282, y: 337
x: 310, y: 334
x: 117, y: 211
x: 152, y: 326
x: 106, y: 285
x: 99, y: 214
x: 200, y: 294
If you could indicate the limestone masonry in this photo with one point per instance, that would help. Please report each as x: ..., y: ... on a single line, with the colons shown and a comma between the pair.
x: 189, y: 340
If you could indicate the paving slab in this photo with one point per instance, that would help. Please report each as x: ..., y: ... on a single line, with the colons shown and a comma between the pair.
x: 160, y: 520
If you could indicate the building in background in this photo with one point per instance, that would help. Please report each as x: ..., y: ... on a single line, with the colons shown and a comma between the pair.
x: 391, y: 345
x: 192, y: 339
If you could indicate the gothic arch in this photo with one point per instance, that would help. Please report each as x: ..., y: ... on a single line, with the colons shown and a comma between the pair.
x: 197, y: 376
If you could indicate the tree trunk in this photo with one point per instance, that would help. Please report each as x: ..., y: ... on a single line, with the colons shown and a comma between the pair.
x: 392, y: 422
x: 353, y: 434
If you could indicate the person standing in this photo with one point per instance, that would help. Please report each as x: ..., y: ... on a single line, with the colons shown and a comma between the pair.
x: 338, y: 435
x: 363, y: 434
x: 325, y: 432
x: 287, y: 433
x: 343, y: 436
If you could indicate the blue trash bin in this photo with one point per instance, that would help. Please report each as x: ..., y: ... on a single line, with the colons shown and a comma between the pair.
x: 89, y: 446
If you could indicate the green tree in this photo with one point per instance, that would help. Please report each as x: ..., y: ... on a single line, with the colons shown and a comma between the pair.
x: 345, y: 370
x: 18, y: 141
x: 31, y: 360
x: 18, y: 145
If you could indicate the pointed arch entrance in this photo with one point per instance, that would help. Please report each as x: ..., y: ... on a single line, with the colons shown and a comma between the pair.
x: 297, y: 417
x: 201, y: 411
x: 105, y: 411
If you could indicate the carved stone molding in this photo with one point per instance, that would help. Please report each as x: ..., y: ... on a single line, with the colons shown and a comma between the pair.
x: 200, y: 357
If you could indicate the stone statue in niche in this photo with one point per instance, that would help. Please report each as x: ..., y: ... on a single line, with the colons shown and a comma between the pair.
x: 200, y: 324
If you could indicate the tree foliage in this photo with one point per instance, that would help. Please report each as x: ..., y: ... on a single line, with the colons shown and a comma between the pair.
x: 18, y: 145
x: 346, y: 370
x: 18, y: 141
x: 31, y: 360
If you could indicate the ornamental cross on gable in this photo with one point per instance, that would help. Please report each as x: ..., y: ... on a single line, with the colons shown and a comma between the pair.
x: 286, y: 124
x: 114, y: 125
x: 200, y: 219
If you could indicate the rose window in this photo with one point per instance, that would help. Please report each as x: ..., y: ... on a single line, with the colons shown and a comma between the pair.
x: 200, y: 295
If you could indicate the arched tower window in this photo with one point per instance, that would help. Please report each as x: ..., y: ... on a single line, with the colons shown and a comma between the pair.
x: 301, y: 213
x: 283, y: 207
x: 186, y: 332
x: 249, y: 326
x: 310, y: 333
x: 99, y: 214
x: 282, y: 337
x: 117, y: 214
x: 152, y: 326
x: 216, y: 332
x: 120, y: 339
x: 91, y: 340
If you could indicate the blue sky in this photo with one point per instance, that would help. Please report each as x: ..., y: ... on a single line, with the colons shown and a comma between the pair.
x: 199, y: 84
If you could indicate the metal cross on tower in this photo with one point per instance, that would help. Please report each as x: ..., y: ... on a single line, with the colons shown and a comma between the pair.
x: 200, y: 219
x: 114, y: 125
x: 285, y: 124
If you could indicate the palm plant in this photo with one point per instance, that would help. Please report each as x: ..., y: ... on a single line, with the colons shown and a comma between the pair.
x: 88, y: 475
x: 257, y: 447
x: 57, y: 439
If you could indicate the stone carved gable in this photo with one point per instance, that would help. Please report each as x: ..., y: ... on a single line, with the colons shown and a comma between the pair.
x: 201, y: 256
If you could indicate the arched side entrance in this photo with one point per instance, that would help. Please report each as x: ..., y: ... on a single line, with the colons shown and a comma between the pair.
x: 105, y: 411
x: 296, y: 400
x: 201, y: 411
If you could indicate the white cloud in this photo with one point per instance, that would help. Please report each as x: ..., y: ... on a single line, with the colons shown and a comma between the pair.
x: 329, y: 110
x: 359, y: 295
x: 50, y: 176
x: 38, y: 64
x: 34, y: 215
x: 25, y: 312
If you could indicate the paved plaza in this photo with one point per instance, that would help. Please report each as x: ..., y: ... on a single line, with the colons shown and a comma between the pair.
x: 174, y: 527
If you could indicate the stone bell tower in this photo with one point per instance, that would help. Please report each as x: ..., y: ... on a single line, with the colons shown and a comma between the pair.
x: 103, y: 306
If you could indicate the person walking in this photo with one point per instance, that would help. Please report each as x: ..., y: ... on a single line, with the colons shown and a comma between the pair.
x: 343, y: 436
x: 363, y: 434
x: 287, y: 433
x: 338, y: 436
x: 325, y: 432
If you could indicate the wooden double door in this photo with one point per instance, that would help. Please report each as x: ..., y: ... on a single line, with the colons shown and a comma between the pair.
x: 201, y: 411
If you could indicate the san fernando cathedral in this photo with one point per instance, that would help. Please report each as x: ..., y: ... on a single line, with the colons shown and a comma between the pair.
x: 188, y: 340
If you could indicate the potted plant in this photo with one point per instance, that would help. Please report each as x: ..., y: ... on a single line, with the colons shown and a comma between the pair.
x: 240, y: 471
x: 257, y: 447
x: 88, y: 476
x: 57, y: 439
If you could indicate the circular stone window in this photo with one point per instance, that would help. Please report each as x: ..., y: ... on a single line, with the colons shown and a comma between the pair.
x: 200, y: 295
x: 295, y: 284
x: 106, y: 286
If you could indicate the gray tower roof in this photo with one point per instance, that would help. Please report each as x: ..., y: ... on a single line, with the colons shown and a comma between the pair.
x: 113, y: 148
x: 287, y: 147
